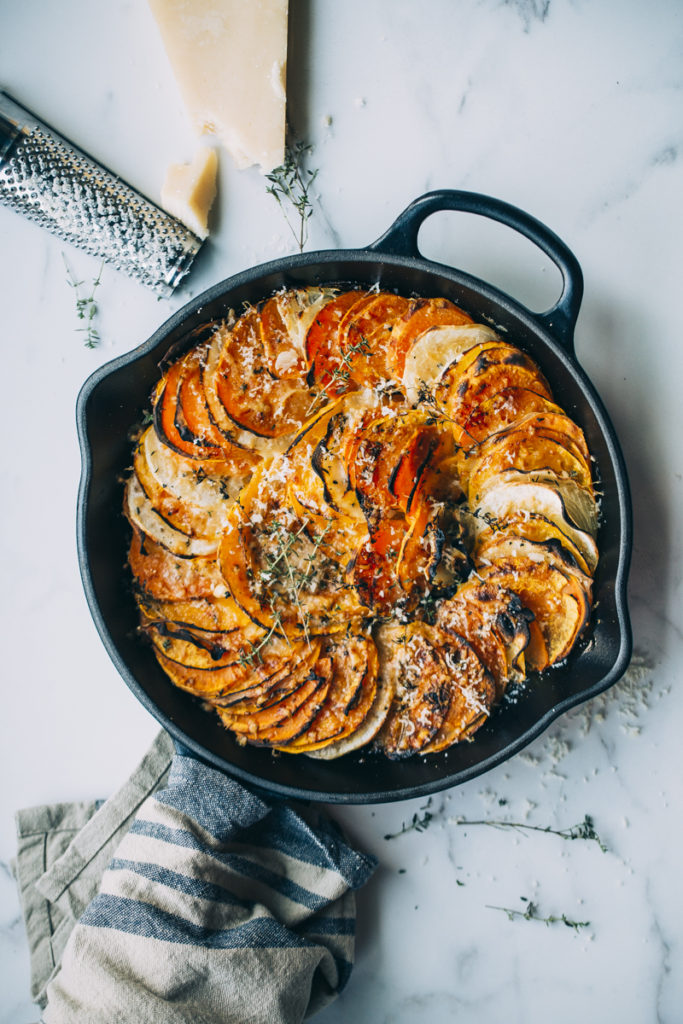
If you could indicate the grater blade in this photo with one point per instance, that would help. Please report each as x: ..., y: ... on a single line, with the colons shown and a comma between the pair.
x: 61, y: 188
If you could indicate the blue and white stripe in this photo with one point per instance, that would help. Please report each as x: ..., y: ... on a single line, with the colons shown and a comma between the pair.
x: 243, y: 906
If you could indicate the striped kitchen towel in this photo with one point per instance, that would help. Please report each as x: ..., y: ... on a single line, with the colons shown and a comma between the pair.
x: 217, y: 906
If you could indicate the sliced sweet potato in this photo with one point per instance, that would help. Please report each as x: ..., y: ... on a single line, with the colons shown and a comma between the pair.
x: 169, y: 577
x: 494, y: 623
x: 559, y: 603
x: 172, y: 430
x: 389, y: 457
x: 503, y: 409
x: 322, y: 347
x: 365, y: 338
x: 422, y: 684
x: 351, y: 695
x: 422, y: 315
x: 472, y: 694
x: 253, y: 399
x: 374, y: 572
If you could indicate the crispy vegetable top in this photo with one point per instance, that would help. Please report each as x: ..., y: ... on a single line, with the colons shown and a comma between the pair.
x: 357, y: 516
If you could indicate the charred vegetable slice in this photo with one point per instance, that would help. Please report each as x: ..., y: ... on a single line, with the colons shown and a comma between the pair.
x: 356, y: 518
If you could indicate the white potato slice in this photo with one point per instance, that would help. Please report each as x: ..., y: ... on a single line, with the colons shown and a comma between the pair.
x: 437, y: 349
x: 184, y: 478
x: 511, y: 496
x: 142, y: 514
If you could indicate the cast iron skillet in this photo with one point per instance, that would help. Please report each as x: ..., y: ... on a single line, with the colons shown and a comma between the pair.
x: 114, y: 398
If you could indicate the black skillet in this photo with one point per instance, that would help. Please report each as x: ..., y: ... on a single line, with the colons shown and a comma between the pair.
x: 115, y: 397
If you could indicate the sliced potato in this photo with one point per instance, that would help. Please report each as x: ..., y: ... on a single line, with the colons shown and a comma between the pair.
x: 161, y: 574
x: 535, y: 528
x: 492, y: 620
x: 151, y: 522
x: 557, y: 599
x: 422, y: 315
x: 351, y: 695
x: 284, y: 321
x: 435, y: 352
x: 472, y: 695
x: 511, y: 494
x: 501, y: 545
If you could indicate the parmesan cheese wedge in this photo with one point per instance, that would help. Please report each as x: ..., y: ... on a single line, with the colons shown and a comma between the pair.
x: 190, y: 189
x: 229, y: 58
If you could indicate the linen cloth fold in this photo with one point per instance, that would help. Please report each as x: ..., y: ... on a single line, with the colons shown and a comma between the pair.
x: 187, y: 897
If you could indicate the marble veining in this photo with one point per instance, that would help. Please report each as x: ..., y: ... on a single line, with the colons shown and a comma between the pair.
x: 571, y: 110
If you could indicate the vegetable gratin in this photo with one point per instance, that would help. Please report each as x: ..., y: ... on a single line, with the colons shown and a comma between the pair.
x: 356, y: 518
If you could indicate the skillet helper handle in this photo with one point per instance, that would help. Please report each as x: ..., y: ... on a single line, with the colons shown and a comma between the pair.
x: 401, y: 239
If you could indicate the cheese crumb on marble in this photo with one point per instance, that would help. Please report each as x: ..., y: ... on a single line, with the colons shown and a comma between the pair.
x: 190, y: 189
x: 229, y: 59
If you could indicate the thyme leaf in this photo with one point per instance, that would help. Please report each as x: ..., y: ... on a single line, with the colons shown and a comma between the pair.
x: 342, y: 373
x: 86, y: 306
x: 290, y: 186
x: 418, y: 823
x: 584, y: 830
x: 531, y: 913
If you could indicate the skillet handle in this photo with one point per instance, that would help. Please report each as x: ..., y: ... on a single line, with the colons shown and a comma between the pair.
x: 401, y: 240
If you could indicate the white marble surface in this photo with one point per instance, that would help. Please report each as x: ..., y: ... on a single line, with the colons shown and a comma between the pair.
x: 570, y: 109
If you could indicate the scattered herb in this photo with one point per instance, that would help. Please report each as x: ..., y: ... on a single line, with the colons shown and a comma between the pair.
x: 531, y: 914
x: 418, y: 823
x: 584, y: 830
x: 86, y: 306
x: 342, y: 373
x: 279, y: 572
x: 290, y: 185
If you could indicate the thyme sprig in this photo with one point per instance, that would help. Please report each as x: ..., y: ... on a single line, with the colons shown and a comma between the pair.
x: 418, y: 823
x: 583, y: 830
x: 531, y: 913
x: 86, y: 306
x: 342, y: 373
x: 290, y: 185
x: 426, y: 397
x: 279, y: 569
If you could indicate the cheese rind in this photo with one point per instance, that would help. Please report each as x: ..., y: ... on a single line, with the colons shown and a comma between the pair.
x: 229, y: 58
x: 190, y: 189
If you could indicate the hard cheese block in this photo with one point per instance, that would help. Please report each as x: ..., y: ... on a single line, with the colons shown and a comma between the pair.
x: 229, y: 58
x: 190, y: 189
